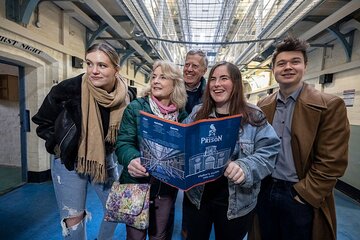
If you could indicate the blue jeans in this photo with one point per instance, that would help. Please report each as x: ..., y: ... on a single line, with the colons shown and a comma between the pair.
x: 70, y: 191
x: 281, y: 217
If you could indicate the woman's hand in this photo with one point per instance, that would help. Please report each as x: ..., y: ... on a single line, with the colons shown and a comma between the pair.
x: 135, y: 168
x: 234, y: 173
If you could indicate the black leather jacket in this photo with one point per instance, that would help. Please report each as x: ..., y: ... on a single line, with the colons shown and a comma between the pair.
x: 59, y: 120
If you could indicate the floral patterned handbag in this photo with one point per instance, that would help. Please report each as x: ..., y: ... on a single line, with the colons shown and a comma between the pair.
x: 129, y: 204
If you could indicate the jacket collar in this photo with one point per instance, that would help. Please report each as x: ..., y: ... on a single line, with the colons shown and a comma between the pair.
x: 309, y: 98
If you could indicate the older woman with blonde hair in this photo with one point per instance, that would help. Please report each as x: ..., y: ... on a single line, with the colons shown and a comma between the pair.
x: 164, y: 97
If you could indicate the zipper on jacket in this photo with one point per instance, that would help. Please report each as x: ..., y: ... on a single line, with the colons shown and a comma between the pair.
x: 67, y: 133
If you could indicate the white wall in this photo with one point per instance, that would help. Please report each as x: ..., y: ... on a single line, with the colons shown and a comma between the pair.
x: 60, y: 37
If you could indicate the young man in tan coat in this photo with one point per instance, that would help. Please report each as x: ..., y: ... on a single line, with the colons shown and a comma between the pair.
x: 297, y: 200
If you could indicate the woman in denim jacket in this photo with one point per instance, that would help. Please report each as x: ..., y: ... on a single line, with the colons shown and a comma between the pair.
x: 229, y: 201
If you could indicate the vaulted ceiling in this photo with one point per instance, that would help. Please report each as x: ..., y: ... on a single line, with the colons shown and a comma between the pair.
x: 240, y: 31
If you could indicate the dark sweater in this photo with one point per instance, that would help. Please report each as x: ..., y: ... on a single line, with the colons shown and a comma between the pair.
x: 194, y: 97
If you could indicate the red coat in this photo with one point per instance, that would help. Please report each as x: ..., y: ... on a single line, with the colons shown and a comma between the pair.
x: 319, y: 140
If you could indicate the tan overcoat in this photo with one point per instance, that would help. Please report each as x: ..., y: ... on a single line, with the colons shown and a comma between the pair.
x: 319, y: 139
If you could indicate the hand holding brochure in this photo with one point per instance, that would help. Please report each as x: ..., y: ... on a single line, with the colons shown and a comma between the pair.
x: 186, y: 155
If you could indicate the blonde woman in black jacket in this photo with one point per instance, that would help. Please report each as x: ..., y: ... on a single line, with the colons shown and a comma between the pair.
x: 78, y: 120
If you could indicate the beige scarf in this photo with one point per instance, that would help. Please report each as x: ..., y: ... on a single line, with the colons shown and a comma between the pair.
x: 91, y: 153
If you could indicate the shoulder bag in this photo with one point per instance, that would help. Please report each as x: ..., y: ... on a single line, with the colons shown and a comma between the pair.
x: 129, y: 204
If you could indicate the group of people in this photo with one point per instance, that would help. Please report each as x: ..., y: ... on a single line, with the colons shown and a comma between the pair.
x: 279, y: 181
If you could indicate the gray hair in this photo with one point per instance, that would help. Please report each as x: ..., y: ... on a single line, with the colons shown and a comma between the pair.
x: 201, y: 53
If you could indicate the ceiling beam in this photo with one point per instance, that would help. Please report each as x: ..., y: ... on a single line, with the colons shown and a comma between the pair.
x: 211, y: 43
x: 110, y: 20
x: 332, y: 19
x: 73, y: 11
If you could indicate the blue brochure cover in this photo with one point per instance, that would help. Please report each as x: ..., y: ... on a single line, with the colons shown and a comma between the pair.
x: 186, y: 155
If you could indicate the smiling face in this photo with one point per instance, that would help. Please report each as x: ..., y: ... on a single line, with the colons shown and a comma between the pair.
x: 101, y: 70
x: 221, y: 87
x: 194, y: 69
x: 161, y: 86
x: 289, y: 69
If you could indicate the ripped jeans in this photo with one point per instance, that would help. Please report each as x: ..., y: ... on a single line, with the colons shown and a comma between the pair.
x: 71, y: 189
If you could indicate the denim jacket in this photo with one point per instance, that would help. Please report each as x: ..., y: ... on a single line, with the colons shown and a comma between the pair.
x: 255, y: 152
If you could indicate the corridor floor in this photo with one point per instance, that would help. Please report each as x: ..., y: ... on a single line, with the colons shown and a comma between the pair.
x: 30, y: 212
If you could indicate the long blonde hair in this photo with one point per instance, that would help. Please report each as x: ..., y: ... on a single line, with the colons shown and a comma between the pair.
x: 170, y: 71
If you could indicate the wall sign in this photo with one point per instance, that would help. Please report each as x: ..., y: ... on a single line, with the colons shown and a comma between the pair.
x: 348, y: 96
x: 26, y: 47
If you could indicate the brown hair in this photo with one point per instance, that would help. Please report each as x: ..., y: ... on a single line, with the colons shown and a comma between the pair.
x: 291, y: 44
x: 238, y: 104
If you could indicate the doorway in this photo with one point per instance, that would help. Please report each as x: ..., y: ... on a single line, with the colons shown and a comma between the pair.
x: 13, y: 164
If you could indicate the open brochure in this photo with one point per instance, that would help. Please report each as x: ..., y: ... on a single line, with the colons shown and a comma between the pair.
x: 186, y: 155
